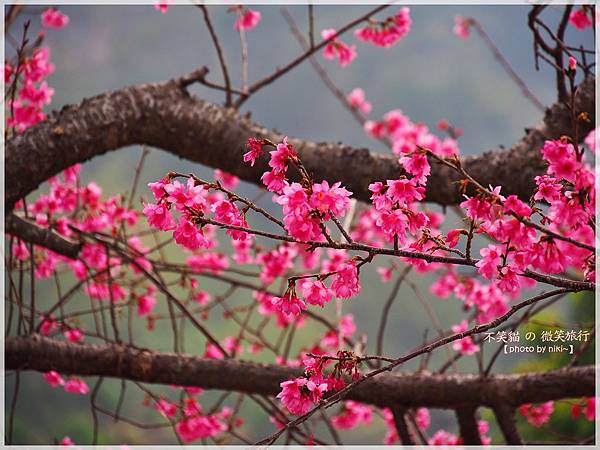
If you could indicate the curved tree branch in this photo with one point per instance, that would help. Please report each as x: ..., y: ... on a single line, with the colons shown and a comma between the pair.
x: 45, y: 237
x: 166, y: 116
x: 440, y: 391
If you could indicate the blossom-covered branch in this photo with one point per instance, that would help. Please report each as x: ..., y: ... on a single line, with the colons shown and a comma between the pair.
x: 165, y: 116
x: 44, y: 354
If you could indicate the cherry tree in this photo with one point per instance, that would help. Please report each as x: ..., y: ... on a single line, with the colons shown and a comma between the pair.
x: 138, y: 262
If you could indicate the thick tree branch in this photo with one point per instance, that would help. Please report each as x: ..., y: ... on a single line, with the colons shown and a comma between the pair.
x: 439, y: 391
x: 469, y: 429
x: 45, y: 237
x: 505, y: 415
x: 166, y: 116
x: 401, y: 424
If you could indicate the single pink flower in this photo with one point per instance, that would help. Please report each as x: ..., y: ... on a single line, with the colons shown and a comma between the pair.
x: 422, y: 418
x: 462, y: 27
x: 247, y: 20
x: 226, y: 179
x: 74, y: 335
x: 351, y: 415
x: 336, y: 48
x: 54, y: 378
x: 189, y: 236
x: 315, y: 292
x: 466, y: 346
x: 162, y: 5
x: 345, y: 282
x: 146, y: 304
x: 580, y: 19
x: 289, y: 304
x: 356, y: 99
x: 67, y: 442
x: 76, y: 386
x: 53, y: 18
x: 159, y: 216
x: 254, y: 147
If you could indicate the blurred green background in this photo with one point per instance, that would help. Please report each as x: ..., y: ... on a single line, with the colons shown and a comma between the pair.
x: 431, y: 74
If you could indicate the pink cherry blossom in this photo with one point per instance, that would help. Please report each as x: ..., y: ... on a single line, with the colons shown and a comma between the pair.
x: 356, y: 99
x: 74, y: 335
x: 389, y: 32
x: 227, y: 179
x: 247, y: 20
x: 443, y: 437
x: 336, y: 48
x: 352, y: 414
x: 345, y: 282
x: 422, y: 418
x: 289, y: 304
x: 334, y: 199
x: 145, y: 304
x: 67, y: 442
x: 54, y: 379
x: 188, y: 196
x: 590, y: 408
x: 76, y: 386
x: 385, y: 273
x: 20, y: 250
x: 255, y: 150
x: 315, y: 292
x: 159, y: 216
x: 165, y: 407
x: 198, y: 427
x: 466, y: 346
x: 537, y: 415
x: 189, y: 236
x: 282, y: 155
x: 592, y: 141
x: 404, y: 191
x: 53, y: 18
x: 274, y: 180
x: 462, y: 27
x: 48, y: 325
x: 491, y: 259
x: 38, y: 95
x: 417, y: 165
x: 162, y: 5
x: 580, y: 19
x: 300, y: 395
x: 572, y: 63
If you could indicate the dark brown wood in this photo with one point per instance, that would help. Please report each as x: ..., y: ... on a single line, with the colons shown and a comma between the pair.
x: 409, y: 390
x: 164, y: 115
x: 406, y: 438
x: 467, y: 423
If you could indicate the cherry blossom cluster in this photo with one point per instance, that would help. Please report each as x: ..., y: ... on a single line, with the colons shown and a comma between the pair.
x: 384, y: 34
x: 247, y: 18
x: 388, y: 32
x: 580, y: 18
x: 405, y: 136
x: 336, y: 48
x: 300, y: 395
x: 192, y: 423
x: 74, y: 385
x: 27, y: 91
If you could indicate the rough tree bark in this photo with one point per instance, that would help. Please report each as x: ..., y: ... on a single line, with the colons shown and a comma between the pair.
x: 166, y: 116
x: 42, y: 354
